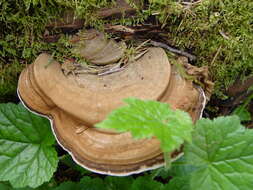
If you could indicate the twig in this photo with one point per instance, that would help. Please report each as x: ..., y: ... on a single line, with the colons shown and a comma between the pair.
x: 142, y: 44
x: 120, y: 28
x: 223, y: 35
x: 140, y: 54
x: 191, y: 3
x: 112, y: 70
x: 216, y: 54
x: 173, y: 50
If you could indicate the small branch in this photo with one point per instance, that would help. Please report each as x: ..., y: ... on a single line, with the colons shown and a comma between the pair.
x: 240, y: 86
x: 113, y: 70
x: 191, y: 3
x: 119, y: 28
x: 223, y: 35
x: 173, y: 50
x: 216, y: 54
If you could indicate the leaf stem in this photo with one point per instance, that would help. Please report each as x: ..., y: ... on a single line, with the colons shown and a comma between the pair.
x: 167, y: 159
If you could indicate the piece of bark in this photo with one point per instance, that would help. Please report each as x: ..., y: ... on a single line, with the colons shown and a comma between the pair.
x: 51, y: 38
x: 200, y: 74
x: 238, y: 93
x: 70, y: 22
x: 134, y: 32
x: 240, y: 86
x: 67, y: 22
x: 122, y: 9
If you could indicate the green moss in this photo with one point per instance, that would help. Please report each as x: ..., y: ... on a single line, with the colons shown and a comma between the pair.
x: 8, y: 80
x: 22, y: 25
x: 218, y: 32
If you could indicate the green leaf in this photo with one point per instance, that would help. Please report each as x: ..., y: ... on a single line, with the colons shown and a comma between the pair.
x: 180, y: 168
x: 89, y: 183
x: 145, y: 119
x: 180, y: 172
x: 112, y: 183
x: 242, y: 113
x: 69, y: 185
x: 67, y: 160
x: 5, y: 187
x: 27, y: 157
x: 178, y: 183
x: 222, y: 151
x: 86, y: 183
x: 116, y: 183
x: 145, y: 182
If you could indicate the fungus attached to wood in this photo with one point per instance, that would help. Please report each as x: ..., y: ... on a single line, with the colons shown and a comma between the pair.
x: 75, y: 103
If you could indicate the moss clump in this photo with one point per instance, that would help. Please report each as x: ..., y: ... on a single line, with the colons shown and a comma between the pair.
x: 8, y: 80
x: 218, y: 32
x: 22, y: 25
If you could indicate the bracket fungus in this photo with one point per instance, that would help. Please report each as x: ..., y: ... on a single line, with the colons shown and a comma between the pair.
x: 76, y: 102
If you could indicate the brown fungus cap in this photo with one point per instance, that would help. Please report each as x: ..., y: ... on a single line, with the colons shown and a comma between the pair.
x: 75, y: 103
x: 94, y: 47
